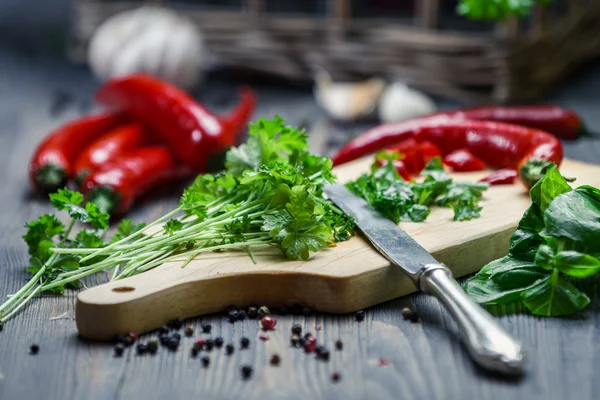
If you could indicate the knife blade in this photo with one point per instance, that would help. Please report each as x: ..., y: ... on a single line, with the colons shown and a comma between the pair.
x: 489, y: 345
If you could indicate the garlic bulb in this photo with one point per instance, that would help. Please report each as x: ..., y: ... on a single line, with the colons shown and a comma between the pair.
x: 151, y: 40
x: 347, y: 101
x: 399, y: 103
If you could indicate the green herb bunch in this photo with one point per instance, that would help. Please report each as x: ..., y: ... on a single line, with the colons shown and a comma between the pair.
x: 496, y: 9
x: 556, y: 243
x: 269, y: 194
x: 399, y: 200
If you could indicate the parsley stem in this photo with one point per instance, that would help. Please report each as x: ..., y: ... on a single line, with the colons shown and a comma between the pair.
x: 22, y: 303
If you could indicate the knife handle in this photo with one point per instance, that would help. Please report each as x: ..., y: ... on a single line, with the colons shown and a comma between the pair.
x: 490, y: 345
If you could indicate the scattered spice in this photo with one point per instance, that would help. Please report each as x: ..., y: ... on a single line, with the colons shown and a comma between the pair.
x: 253, y: 312
x: 245, y: 342
x: 275, y: 359
x: 208, y: 344
x: 310, y: 343
x: 229, y: 349
x: 319, y: 349
x: 297, y: 329
x: 359, y: 316
x: 189, y: 331
x: 175, y: 323
x: 295, y: 340
x: 152, y: 347
x: 383, y: 362
x: 324, y: 355
x: 172, y: 344
x: 218, y: 342
x: 199, y: 344
x: 233, y: 316
x: 246, y: 371
x: 133, y: 336
x: 206, y: 328
x: 205, y: 361
x: 410, y: 315
x: 262, y: 311
x: 1, y: 326
x: 242, y: 315
x: 306, y: 311
x: 119, y: 349
x: 339, y: 345
x: 264, y: 338
x: 141, y: 349
x: 268, y: 323
x: 194, y: 352
x: 34, y: 349
x: 307, y: 335
x: 163, y: 330
x: 336, y: 377
x: 301, y: 342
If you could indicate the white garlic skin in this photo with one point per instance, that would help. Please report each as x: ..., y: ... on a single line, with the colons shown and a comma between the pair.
x: 347, y: 101
x: 399, y: 103
x: 149, y: 40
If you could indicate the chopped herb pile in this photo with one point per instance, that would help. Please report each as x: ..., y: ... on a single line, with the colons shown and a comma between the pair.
x: 269, y: 194
x: 399, y: 200
x: 556, y: 243
x: 496, y: 9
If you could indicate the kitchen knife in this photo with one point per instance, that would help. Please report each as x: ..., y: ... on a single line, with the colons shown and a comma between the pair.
x: 488, y: 343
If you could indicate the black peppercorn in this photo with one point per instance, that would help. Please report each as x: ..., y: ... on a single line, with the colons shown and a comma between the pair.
x: 410, y: 315
x: 245, y: 342
x: 205, y: 361
x: 253, y: 312
x: 324, y: 355
x: 296, y: 309
x: 141, y: 348
x: 175, y: 323
x: 127, y: 341
x: 301, y: 342
x: 121, y: 338
x: 359, y: 316
x: 262, y: 311
x: 152, y: 347
x: 218, y: 342
x: 275, y: 359
x: 194, y: 352
x: 246, y: 371
x: 336, y: 377
x: 1, y: 326
x: 242, y: 315
x: 294, y: 340
x: 206, y: 328
x: 208, y: 344
x: 339, y: 345
x: 164, y: 340
x: 319, y: 349
x: 306, y: 311
x: 189, y: 331
x: 233, y: 316
x: 307, y: 335
x: 172, y: 344
x: 163, y: 330
x: 297, y: 329
x: 119, y: 349
x: 34, y: 349
x: 176, y: 336
x: 229, y: 349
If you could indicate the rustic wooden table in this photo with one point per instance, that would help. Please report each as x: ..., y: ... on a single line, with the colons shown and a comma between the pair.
x: 424, y: 360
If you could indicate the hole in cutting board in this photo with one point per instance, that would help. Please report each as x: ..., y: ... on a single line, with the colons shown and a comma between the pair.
x: 123, y: 289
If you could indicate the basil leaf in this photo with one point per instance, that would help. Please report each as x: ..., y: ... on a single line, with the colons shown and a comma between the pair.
x: 526, y: 239
x: 577, y: 265
x: 546, y: 189
x: 553, y: 297
x: 544, y: 257
x: 502, y: 281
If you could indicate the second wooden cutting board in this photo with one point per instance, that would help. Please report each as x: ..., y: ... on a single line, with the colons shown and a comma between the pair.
x: 342, y: 279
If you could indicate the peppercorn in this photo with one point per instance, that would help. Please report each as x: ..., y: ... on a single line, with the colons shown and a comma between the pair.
x: 242, y: 315
x: 233, y: 316
x: 127, y: 341
x: 119, y: 349
x: 152, y: 347
x: 175, y: 323
x: 339, y: 345
x: 189, y: 331
x: 306, y: 311
x: 34, y: 349
x: 296, y: 309
x: 208, y: 344
x: 199, y: 344
x: 141, y: 349
x: 206, y: 328
x: 229, y: 349
x: 309, y: 344
x: 205, y: 361
x: 268, y: 323
x: 410, y: 315
x: 336, y: 377
x: 262, y: 311
x: 133, y: 336
x: 324, y: 355
x: 245, y: 342
x: 264, y: 338
x: 359, y: 316
x: 301, y: 342
x: 319, y: 349
x: 294, y: 340
x: 252, y: 312
x: 172, y: 344
x: 1, y: 326
x: 120, y: 338
x: 163, y: 330
x: 176, y: 336
x: 246, y: 371
x: 307, y: 335
x: 275, y: 359
x: 297, y: 329
x: 194, y: 352
x: 218, y: 342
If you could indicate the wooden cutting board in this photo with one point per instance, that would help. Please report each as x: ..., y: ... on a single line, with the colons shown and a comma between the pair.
x: 346, y: 278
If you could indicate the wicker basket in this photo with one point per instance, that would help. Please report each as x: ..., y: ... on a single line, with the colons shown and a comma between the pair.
x: 418, y: 42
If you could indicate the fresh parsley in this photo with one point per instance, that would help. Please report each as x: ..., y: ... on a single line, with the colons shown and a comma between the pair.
x: 496, y: 9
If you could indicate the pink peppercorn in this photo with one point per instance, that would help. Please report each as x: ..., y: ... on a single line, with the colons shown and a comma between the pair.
x: 268, y: 322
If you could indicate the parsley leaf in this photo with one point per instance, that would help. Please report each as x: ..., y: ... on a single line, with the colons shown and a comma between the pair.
x: 125, y: 229
x: 172, y: 226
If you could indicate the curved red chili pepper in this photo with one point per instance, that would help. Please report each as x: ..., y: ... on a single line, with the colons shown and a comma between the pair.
x: 107, y: 148
x: 463, y: 160
x: 53, y: 161
x: 400, y: 168
x: 116, y: 185
x: 560, y: 122
x: 415, y: 155
x: 505, y: 176
x: 191, y: 131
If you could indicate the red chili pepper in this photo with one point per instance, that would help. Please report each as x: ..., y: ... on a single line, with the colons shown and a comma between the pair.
x: 107, y: 148
x: 505, y: 176
x: 497, y: 144
x: 116, y: 185
x: 463, y: 160
x: 191, y: 131
x: 400, y: 167
x: 415, y: 155
x: 53, y: 162
x: 560, y: 122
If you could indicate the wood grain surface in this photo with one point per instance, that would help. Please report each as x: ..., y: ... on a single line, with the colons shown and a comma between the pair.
x: 425, y: 361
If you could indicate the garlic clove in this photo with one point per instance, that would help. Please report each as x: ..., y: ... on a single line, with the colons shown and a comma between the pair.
x: 399, y: 103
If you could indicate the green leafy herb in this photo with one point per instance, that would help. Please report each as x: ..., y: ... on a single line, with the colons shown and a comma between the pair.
x: 496, y: 9
x: 557, y: 240
x: 399, y: 200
